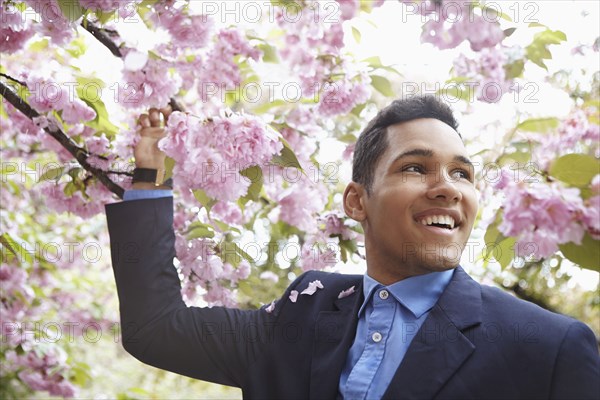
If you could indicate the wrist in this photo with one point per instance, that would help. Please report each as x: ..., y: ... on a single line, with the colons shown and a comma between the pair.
x: 148, y: 176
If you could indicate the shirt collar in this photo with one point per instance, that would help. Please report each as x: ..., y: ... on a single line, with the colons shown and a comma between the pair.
x: 417, y: 293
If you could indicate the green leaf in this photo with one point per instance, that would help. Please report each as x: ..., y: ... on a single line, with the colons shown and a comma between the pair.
x: 356, y: 34
x: 514, y: 69
x: 586, y: 255
x: 77, y: 47
x: 40, y: 45
x: 169, y: 165
x: 255, y: 174
x: 203, y: 199
x: 382, y: 85
x: 263, y: 108
x: 537, y: 51
x: 233, y: 254
x: 89, y: 89
x: 287, y: 158
x: 575, y: 169
x: 71, y: 9
x: 454, y: 91
x: 374, y: 62
x: 521, y: 157
x: 541, y: 125
x: 104, y: 17
x: 52, y: 174
x: 509, y: 31
x: 504, y: 253
x: 199, y: 230
x: 492, y: 234
x: 15, y: 248
x: 269, y: 53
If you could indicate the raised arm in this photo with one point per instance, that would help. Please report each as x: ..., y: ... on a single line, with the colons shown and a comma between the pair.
x: 157, y: 327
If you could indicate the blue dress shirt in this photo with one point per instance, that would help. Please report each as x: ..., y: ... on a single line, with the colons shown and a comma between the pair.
x: 389, y: 318
x: 140, y: 194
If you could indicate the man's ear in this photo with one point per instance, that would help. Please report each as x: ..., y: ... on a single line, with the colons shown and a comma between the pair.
x: 354, y: 204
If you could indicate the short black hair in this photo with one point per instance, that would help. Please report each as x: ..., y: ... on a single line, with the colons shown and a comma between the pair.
x: 372, y: 142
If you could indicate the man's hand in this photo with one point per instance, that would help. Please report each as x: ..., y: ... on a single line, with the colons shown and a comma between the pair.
x: 146, y: 152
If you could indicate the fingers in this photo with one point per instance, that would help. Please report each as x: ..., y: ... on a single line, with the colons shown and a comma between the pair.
x: 155, y: 117
x: 166, y: 112
x: 144, y: 121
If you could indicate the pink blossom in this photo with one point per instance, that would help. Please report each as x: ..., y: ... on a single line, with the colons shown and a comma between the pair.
x: 312, y: 287
x: 185, y: 30
x: 14, y: 31
x: 299, y: 204
x: 572, y: 130
x: 346, y: 293
x: 486, y: 74
x: 438, y: 33
x: 76, y: 111
x: 317, y: 256
x: 348, y: 8
x: 210, y: 155
x: 97, y: 144
x: 479, y: 32
x: 220, y: 72
x: 293, y: 296
x: 228, y: 212
x: 342, y: 96
x: 152, y: 85
x: 53, y: 23
x: 542, y: 216
x: 104, y: 5
x: 269, y: 275
x: 77, y: 203
x: 334, y: 225
x: 348, y: 153
x: 591, y: 216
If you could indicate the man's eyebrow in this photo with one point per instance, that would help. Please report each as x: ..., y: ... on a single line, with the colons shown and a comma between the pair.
x: 414, y: 152
x: 464, y: 160
x: 429, y: 153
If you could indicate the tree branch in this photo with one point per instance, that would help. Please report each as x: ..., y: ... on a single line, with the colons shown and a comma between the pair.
x: 102, y: 37
x: 79, y: 153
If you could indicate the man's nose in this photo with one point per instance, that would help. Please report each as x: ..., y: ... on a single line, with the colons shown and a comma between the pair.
x: 443, y: 186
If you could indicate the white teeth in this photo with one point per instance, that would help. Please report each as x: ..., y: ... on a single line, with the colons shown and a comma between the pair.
x: 438, y: 219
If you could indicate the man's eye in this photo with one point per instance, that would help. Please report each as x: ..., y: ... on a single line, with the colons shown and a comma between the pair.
x: 462, y: 174
x: 413, y: 168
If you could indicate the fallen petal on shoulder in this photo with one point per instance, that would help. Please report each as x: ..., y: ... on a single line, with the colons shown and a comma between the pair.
x: 312, y: 287
x: 346, y: 293
x: 271, y: 307
x: 293, y: 296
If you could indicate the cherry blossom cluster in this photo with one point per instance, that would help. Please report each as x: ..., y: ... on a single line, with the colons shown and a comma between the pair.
x: 313, y: 51
x: 448, y: 27
x: 575, y: 132
x: 543, y: 216
x: 211, y: 153
x: 485, y: 72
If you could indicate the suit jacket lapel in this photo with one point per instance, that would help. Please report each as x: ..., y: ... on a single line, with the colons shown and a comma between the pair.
x: 440, y: 347
x: 334, y: 334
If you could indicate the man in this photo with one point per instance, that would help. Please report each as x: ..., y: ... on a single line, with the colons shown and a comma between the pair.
x: 415, y: 326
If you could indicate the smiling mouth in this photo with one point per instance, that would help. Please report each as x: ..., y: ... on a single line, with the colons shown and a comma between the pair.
x: 439, y: 221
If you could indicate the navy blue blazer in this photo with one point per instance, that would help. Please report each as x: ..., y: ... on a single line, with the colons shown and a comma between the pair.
x: 477, y: 342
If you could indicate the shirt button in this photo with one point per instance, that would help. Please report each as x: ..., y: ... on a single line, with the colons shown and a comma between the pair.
x: 383, y: 294
x: 377, y: 337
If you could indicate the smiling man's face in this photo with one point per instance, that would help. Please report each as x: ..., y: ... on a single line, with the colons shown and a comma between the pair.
x: 420, y: 212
